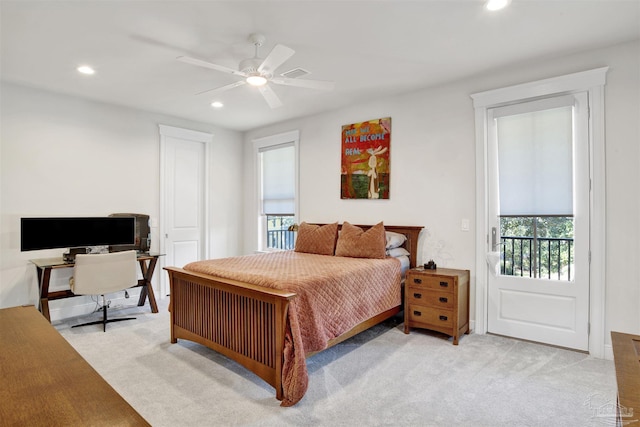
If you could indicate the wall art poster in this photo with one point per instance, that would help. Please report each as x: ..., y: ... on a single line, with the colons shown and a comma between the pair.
x: 365, y: 160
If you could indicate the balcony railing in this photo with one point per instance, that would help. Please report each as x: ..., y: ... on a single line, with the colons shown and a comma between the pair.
x: 278, y: 234
x: 542, y: 257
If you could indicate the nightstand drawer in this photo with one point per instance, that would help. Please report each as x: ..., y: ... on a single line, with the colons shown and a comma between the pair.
x: 441, y: 283
x: 431, y: 316
x: 430, y: 298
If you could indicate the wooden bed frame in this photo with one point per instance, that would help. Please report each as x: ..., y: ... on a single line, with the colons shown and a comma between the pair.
x: 246, y: 322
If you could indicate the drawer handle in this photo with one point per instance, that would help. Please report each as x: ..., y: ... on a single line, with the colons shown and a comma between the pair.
x: 417, y: 295
x: 443, y: 318
x: 444, y: 284
x: 417, y: 280
x: 417, y: 313
x: 443, y: 299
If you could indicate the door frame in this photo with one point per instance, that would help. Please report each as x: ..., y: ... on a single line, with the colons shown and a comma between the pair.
x: 591, y: 81
x: 195, y: 136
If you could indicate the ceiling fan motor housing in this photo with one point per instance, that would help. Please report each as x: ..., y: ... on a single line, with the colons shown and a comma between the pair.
x: 250, y: 66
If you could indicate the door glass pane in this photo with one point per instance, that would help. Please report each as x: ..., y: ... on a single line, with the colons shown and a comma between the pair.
x: 535, y: 190
x: 537, y: 246
x: 535, y: 162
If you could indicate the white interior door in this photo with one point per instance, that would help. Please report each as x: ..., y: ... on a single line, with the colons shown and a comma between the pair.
x: 183, y: 197
x: 539, y: 175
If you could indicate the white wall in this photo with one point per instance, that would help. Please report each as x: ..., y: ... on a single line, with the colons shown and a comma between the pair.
x: 64, y: 156
x: 433, y: 168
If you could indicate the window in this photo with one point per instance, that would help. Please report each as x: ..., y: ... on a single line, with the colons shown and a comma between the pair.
x: 278, y: 234
x: 277, y: 190
x: 535, y: 162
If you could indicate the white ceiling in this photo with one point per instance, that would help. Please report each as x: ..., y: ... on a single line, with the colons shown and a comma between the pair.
x: 369, y: 48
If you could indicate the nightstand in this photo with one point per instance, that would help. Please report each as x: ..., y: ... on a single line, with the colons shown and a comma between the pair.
x: 437, y: 300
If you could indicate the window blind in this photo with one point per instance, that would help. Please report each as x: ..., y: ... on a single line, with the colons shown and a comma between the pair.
x: 278, y: 179
x: 535, y: 157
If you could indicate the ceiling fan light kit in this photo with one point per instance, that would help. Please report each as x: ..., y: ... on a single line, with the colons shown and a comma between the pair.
x: 256, y: 80
x: 259, y: 72
x: 493, y: 5
x: 86, y: 69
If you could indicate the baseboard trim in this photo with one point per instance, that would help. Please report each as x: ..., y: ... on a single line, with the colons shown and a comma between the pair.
x: 608, y: 351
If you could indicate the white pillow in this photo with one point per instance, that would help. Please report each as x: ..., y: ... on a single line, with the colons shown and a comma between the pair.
x: 397, y: 252
x: 405, y: 264
x: 394, y: 240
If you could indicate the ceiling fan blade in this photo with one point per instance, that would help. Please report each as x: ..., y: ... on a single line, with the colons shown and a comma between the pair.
x: 223, y: 88
x: 270, y: 96
x: 310, y: 84
x: 201, y: 63
x: 276, y: 58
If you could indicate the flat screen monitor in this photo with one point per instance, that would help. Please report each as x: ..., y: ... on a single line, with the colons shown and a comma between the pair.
x: 74, y: 232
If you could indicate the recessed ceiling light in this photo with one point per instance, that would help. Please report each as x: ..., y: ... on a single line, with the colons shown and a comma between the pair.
x: 217, y: 104
x: 496, y: 4
x: 85, y: 69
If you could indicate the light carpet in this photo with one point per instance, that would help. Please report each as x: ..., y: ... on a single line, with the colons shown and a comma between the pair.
x: 381, y: 377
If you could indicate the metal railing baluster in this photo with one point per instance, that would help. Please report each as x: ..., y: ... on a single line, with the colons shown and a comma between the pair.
x: 512, y: 266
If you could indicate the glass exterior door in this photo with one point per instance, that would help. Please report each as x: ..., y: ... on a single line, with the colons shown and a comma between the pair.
x: 538, y: 285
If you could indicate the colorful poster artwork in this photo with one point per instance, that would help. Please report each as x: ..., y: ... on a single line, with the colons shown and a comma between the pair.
x: 365, y: 160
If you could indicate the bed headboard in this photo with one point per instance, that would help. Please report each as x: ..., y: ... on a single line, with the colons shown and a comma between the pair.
x: 411, y: 231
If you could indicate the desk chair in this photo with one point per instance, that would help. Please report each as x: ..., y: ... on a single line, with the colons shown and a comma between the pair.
x: 100, y: 274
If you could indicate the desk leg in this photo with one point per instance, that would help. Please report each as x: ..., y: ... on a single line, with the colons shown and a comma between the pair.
x: 44, y: 276
x: 147, y: 289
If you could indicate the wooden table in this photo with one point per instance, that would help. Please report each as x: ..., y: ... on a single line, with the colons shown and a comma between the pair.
x: 45, y: 382
x: 626, y: 356
x: 44, y: 267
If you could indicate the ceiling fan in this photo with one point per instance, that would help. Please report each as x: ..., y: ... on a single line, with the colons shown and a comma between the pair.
x: 259, y: 72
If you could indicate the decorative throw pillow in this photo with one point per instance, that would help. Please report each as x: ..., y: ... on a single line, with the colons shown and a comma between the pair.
x: 317, y: 239
x: 354, y: 242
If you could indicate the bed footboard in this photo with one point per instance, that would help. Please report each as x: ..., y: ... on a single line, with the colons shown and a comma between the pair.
x: 244, y: 322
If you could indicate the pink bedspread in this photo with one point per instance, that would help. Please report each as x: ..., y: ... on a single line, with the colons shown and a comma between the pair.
x: 333, y: 294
